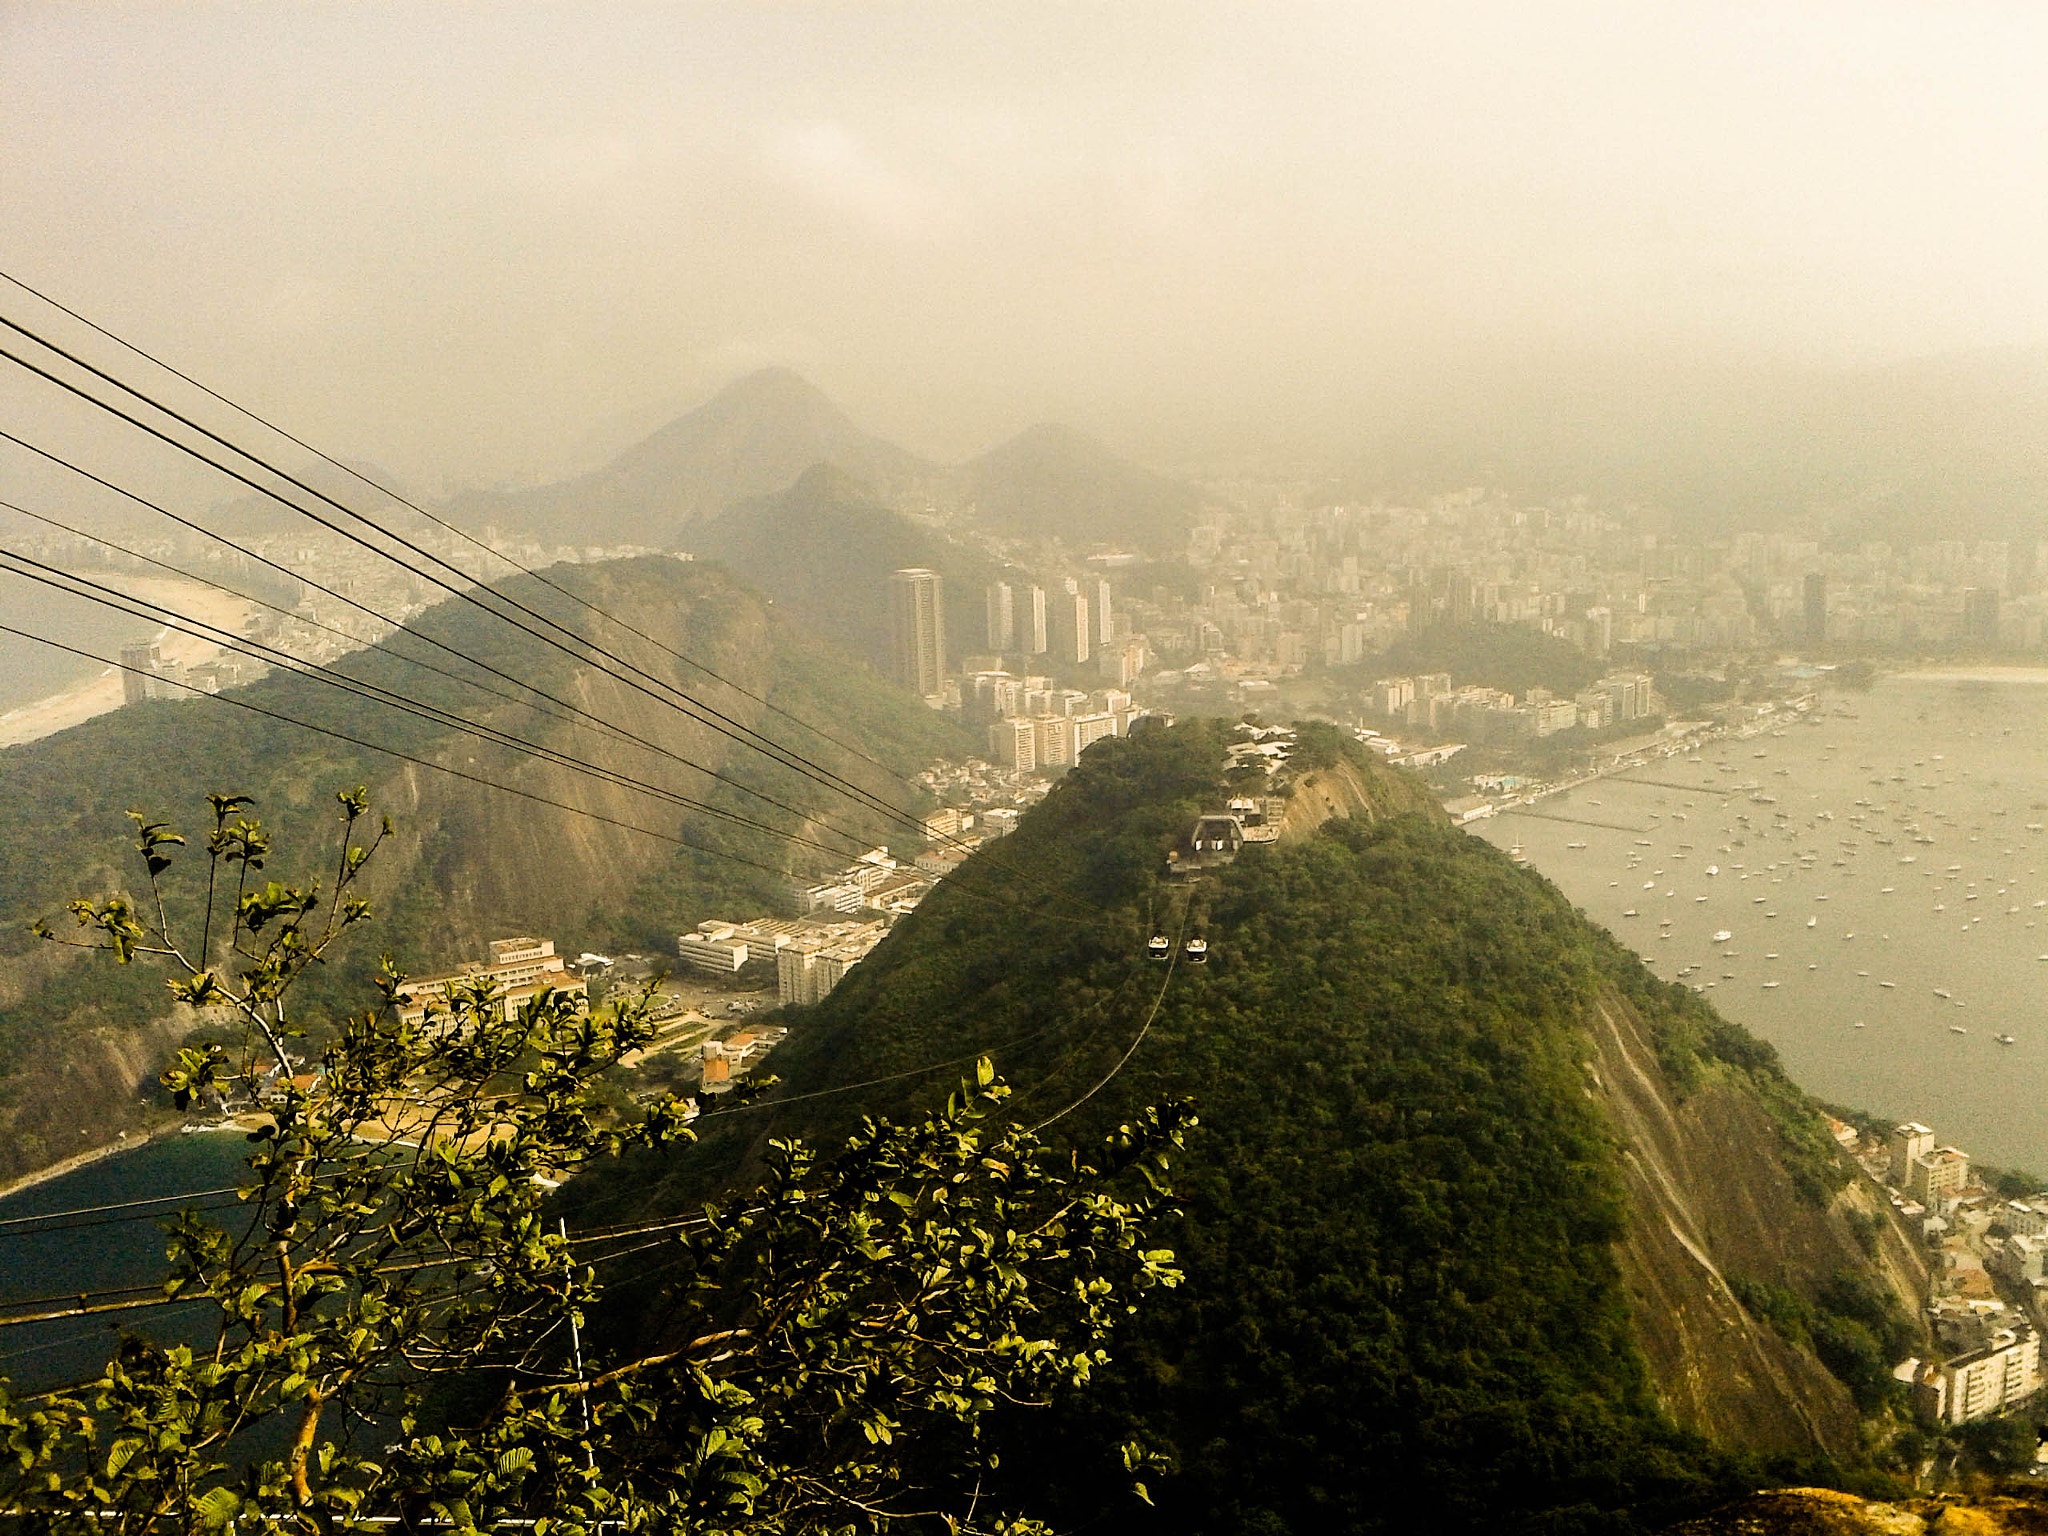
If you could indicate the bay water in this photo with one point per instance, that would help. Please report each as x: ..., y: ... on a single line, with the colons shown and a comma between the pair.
x: 57, y: 1240
x: 1868, y: 892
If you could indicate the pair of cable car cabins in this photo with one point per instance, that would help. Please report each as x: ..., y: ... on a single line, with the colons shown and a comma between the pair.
x: 1195, y: 951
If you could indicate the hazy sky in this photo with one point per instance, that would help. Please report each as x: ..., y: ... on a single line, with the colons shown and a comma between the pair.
x: 471, y: 242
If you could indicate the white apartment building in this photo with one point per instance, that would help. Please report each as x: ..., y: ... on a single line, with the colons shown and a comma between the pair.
x: 1980, y: 1383
x: 1909, y: 1141
x: 1937, y: 1175
x: 1054, y: 741
x: 729, y: 947
x: 828, y: 896
x: 2025, y: 1218
x: 1013, y: 743
x: 2020, y: 1258
x: 806, y: 971
x: 518, y: 970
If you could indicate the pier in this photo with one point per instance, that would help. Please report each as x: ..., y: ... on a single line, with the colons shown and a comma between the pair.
x: 1718, y: 790
x: 1577, y: 821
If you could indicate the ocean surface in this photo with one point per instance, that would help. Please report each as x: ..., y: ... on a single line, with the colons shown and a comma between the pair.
x: 1881, y: 879
x: 30, y: 671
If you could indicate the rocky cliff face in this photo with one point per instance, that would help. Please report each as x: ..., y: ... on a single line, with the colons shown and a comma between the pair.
x: 1710, y: 1197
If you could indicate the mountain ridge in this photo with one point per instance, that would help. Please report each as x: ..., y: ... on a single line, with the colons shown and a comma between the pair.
x: 755, y: 436
x: 467, y: 861
x: 762, y: 433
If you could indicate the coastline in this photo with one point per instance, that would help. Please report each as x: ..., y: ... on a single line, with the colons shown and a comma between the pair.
x: 99, y: 695
x: 84, y: 1159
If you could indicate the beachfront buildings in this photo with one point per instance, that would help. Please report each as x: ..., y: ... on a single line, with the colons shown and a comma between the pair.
x: 517, y: 971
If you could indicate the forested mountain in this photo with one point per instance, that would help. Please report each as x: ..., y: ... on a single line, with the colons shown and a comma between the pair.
x: 1475, y: 1200
x: 824, y: 549
x: 467, y: 862
x: 756, y: 435
x: 1051, y: 481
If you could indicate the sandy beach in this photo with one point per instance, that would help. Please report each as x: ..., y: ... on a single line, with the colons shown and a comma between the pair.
x: 80, y: 703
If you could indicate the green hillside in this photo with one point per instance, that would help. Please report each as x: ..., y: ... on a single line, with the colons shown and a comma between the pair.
x: 1053, y: 482
x: 823, y: 549
x: 1417, y: 1297
x: 467, y: 862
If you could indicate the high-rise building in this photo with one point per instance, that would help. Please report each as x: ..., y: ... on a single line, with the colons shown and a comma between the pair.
x: 1937, y: 1175
x: 1816, y: 607
x: 1035, y: 640
x: 1980, y: 1383
x: 139, y: 664
x: 1014, y: 743
x: 1070, y: 624
x: 1103, y: 626
x: 1980, y: 615
x: 917, y: 630
x: 1002, y: 618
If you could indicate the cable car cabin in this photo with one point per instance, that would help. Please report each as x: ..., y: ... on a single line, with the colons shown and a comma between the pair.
x: 1159, y: 947
x: 1196, y: 951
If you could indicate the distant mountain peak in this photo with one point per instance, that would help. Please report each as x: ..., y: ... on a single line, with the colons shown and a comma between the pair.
x: 1054, y: 479
x: 757, y: 435
x: 775, y: 384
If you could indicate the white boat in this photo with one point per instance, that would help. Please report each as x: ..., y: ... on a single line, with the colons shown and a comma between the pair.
x: 1723, y: 936
x: 1713, y: 869
x: 2003, y: 1039
x: 1957, y: 1029
x: 1943, y: 993
x: 1768, y: 985
x: 1857, y: 1025
x: 1813, y: 922
x: 1887, y: 984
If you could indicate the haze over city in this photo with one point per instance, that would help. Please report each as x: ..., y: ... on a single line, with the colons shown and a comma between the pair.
x: 490, y: 245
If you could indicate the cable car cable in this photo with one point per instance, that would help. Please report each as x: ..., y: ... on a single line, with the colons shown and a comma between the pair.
x: 466, y: 592
x: 449, y: 527
x: 376, y: 694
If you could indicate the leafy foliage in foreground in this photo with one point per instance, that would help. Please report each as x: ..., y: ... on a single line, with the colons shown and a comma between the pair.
x: 398, y: 1303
